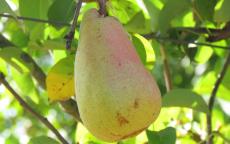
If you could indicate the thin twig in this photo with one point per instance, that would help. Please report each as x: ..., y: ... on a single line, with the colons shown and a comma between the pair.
x: 177, y: 41
x: 35, y: 20
x: 69, y: 37
x: 213, y: 96
x: 167, y: 76
x: 31, y: 110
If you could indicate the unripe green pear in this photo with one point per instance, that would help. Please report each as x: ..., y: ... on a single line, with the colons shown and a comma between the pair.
x: 117, y: 97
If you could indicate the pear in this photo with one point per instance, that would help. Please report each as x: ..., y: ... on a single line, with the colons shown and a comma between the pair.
x: 117, y: 97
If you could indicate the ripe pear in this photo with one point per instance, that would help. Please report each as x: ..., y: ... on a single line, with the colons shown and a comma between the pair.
x: 117, y: 97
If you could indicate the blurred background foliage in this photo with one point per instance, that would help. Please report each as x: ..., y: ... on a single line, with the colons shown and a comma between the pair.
x: 191, y: 36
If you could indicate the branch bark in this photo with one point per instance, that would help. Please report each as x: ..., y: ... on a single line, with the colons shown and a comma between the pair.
x: 213, y: 97
x: 31, y: 110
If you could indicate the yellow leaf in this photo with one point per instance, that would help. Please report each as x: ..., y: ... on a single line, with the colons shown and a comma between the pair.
x: 60, y: 80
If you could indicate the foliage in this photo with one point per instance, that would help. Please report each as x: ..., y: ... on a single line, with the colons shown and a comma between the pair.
x: 188, y: 30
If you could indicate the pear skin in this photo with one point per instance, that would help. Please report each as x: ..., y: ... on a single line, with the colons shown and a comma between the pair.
x: 117, y: 97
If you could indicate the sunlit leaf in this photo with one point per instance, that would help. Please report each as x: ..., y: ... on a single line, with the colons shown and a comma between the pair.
x: 203, y: 54
x: 184, y: 98
x: 150, y: 55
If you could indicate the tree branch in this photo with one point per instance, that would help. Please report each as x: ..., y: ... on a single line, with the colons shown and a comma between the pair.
x: 69, y: 37
x: 223, y: 34
x: 35, y: 20
x: 213, y: 96
x: 31, y: 110
x: 167, y: 76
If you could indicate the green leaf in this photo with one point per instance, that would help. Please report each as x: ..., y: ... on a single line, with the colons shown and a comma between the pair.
x: 171, y: 10
x: 154, y: 14
x: 153, y: 137
x: 140, y: 48
x: 5, y: 8
x: 205, y: 8
x: 36, y: 9
x: 165, y: 136
x: 184, y: 98
x: 223, y: 14
x: 42, y: 140
x: 61, y: 11
x: 138, y: 24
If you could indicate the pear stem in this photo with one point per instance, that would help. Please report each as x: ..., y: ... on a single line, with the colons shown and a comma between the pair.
x: 102, y: 7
